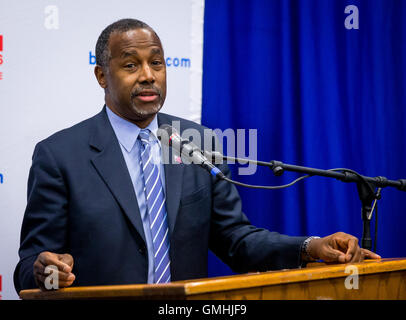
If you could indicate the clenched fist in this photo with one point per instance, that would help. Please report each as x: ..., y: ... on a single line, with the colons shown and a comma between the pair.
x: 62, y: 264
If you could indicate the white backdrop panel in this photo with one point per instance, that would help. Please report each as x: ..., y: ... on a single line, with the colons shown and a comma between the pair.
x: 47, y: 83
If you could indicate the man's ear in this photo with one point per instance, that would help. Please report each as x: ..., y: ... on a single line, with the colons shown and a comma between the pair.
x: 100, y: 76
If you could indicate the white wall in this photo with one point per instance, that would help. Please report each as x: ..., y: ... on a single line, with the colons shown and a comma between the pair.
x: 48, y: 84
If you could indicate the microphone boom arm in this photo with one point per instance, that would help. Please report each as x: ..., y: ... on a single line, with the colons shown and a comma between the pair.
x: 365, y: 185
x: 342, y: 174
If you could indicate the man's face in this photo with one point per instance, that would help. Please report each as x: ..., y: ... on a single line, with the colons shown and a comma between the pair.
x: 135, y: 80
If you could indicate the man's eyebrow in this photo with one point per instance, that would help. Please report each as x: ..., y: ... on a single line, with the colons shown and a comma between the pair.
x: 156, y: 51
x: 133, y: 52
x: 126, y: 54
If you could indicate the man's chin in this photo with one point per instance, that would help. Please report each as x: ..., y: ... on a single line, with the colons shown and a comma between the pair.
x: 146, y: 112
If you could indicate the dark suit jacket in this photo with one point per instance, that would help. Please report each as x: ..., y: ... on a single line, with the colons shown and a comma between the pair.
x: 81, y: 201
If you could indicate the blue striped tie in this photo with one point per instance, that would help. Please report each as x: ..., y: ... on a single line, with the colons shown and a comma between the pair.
x: 155, y: 198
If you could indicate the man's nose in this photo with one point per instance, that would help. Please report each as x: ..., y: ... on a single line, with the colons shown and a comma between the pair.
x: 147, y: 74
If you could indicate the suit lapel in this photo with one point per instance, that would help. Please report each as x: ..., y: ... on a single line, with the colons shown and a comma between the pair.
x: 110, y: 164
x: 173, y: 178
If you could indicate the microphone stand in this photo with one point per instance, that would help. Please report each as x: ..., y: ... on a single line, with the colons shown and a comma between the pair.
x: 365, y: 185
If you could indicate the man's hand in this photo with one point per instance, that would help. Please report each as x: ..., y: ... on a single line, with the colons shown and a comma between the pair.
x: 64, y: 263
x: 339, y: 247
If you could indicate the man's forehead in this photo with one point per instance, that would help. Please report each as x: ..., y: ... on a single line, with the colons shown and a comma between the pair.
x: 135, y: 38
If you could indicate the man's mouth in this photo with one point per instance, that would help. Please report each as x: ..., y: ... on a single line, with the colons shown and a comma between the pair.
x: 147, y: 95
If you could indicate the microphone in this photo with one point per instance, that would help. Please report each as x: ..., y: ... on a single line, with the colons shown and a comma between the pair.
x: 171, y: 138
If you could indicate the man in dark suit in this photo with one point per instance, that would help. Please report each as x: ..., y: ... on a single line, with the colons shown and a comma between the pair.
x: 103, y: 212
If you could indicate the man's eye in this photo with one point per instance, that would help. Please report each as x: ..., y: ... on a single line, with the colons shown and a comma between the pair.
x: 129, y: 65
x: 157, y: 62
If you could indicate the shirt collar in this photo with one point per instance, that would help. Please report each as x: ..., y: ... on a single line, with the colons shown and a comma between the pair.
x: 127, y: 132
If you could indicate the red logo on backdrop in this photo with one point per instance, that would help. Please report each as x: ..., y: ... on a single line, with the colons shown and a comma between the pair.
x: 1, y: 62
x: 0, y: 287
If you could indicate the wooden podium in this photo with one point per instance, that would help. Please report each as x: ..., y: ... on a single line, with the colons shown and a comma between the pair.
x: 371, y: 279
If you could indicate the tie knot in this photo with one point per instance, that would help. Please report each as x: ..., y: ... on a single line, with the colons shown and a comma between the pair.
x: 144, y: 136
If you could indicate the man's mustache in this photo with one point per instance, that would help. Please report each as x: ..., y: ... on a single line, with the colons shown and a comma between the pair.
x: 137, y: 91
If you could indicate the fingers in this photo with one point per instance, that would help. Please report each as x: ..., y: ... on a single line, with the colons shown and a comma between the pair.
x: 362, y: 253
x: 353, y: 252
x: 64, y: 280
x: 49, y: 258
x: 331, y: 255
x: 344, y: 248
x: 370, y: 254
x: 56, y: 266
x: 358, y: 256
x: 41, y: 271
x: 67, y: 259
x: 348, y: 244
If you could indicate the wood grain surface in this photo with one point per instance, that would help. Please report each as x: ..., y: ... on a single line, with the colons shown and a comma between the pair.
x: 376, y: 279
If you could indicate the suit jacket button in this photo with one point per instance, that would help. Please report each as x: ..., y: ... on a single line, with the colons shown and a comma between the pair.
x: 141, y: 250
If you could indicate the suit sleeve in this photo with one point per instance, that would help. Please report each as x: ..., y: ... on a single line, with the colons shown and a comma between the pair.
x: 44, y: 226
x: 241, y: 245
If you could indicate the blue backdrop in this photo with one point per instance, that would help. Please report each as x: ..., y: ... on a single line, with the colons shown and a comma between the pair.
x: 320, y: 96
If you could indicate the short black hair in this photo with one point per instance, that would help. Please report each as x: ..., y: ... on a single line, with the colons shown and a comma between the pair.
x: 123, y: 25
